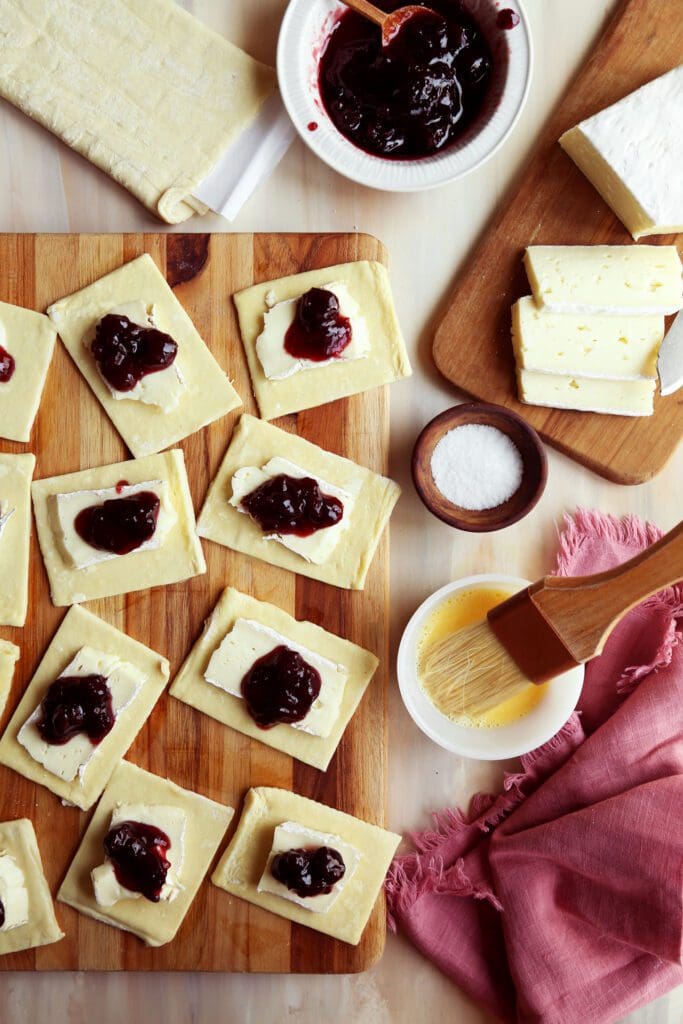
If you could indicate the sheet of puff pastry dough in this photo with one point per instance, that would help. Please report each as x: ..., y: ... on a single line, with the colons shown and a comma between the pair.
x: 30, y: 339
x: 387, y: 361
x: 191, y: 687
x: 145, y: 428
x: 9, y: 656
x: 16, y: 473
x: 80, y: 628
x: 243, y: 863
x: 207, y: 822
x: 178, y: 558
x: 18, y: 839
x: 140, y: 88
x: 253, y: 444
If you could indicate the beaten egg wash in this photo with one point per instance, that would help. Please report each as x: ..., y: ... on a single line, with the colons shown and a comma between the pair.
x: 464, y: 609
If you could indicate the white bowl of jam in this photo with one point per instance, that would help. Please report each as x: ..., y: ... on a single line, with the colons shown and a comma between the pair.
x: 513, y: 728
x: 430, y: 109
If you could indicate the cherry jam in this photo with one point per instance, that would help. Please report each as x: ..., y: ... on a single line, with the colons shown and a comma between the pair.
x: 309, y: 872
x: 125, y: 352
x: 507, y: 19
x: 280, y: 687
x: 318, y: 331
x: 76, y: 704
x: 7, y: 366
x: 2, y: 913
x: 138, y: 856
x: 288, y: 504
x: 414, y: 97
x: 119, y: 525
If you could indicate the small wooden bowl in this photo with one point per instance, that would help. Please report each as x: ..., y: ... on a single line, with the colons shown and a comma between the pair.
x: 520, y: 433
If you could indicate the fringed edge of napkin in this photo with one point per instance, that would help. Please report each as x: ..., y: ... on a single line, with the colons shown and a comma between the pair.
x: 423, y: 871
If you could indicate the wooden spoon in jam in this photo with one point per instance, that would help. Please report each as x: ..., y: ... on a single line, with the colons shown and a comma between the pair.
x: 390, y: 23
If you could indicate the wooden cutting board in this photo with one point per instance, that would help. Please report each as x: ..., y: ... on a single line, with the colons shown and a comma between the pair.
x: 220, y: 933
x: 552, y: 203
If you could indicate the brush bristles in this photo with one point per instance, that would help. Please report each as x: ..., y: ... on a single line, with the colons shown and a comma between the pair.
x: 470, y: 672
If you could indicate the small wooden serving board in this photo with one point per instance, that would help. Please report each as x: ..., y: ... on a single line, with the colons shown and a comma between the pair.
x: 554, y: 204
x: 220, y: 933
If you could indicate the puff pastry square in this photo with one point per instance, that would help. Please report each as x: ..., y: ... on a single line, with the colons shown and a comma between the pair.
x: 18, y: 839
x: 16, y: 473
x: 191, y: 687
x: 243, y: 863
x: 178, y: 558
x: 9, y: 656
x: 254, y: 443
x: 30, y: 339
x: 206, y: 824
x: 80, y: 628
x: 146, y: 429
x: 140, y: 88
x: 368, y: 284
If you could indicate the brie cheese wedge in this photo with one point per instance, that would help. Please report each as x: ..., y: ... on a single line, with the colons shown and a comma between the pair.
x: 13, y: 894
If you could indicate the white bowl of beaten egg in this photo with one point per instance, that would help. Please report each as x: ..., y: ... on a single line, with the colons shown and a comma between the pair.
x: 511, y: 729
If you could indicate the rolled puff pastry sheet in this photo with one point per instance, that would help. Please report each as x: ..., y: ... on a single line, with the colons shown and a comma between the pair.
x: 140, y: 88
x: 18, y: 839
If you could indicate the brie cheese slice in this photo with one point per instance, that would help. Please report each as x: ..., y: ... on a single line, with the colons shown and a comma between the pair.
x: 171, y: 820
x: 615, y: 397
x: 164, y: 388
x: 318, y: 546
x: 64, y: 508
x: 292, y: 836
x: 248, y: 641
x: 67, y: 760
x: 277, y: 363
x: 13, y: 893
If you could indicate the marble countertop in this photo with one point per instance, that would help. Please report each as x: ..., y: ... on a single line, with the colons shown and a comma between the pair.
x: 46, y: 187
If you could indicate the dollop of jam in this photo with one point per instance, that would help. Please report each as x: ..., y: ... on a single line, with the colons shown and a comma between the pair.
x: 287, y: 504
x: 280, y: 687
x: 2, y: 913
x: 76, y: 704
x: 138, y: 855
x: 119, y: 525
x: 318, y: 331
x: 7, y: 366
x: 125, y: 352
x: 507, y: 18
x: 413, y: 97
x: 309, y: 872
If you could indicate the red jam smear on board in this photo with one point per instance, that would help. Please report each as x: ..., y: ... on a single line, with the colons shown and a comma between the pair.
x: 138, y: 855
x: 414, y: 97
x: 292, y: 505
x: 312, y: 872
x: 7, y: 366
x: 318, y: 331
x: 76, y: 704
x: 120, y: 525
x: 280, y: 687
x: 125, y: 352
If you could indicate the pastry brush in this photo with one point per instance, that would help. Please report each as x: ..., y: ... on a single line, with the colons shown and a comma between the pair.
x: 554, y: 625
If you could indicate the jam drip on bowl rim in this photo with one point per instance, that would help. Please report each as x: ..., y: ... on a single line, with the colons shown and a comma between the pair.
x: 292, y: 505
x: 318, y: 331
x: 120, y: 525
x: 125, y: 352
x: 312, y: 872
x: 281, y: 687
x: 7, y: 366
x: 76, y: 704
x: 138, y: 855
x: 416, y: 96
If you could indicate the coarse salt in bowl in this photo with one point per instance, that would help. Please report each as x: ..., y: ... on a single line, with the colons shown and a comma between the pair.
x: 481, y: 743
x: 305, y: 29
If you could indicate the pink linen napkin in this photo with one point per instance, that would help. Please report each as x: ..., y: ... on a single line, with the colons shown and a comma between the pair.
x: 560, y: 901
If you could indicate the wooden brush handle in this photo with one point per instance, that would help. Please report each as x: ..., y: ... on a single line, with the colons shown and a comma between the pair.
x: 368, y: 10
x: 584, y: 610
